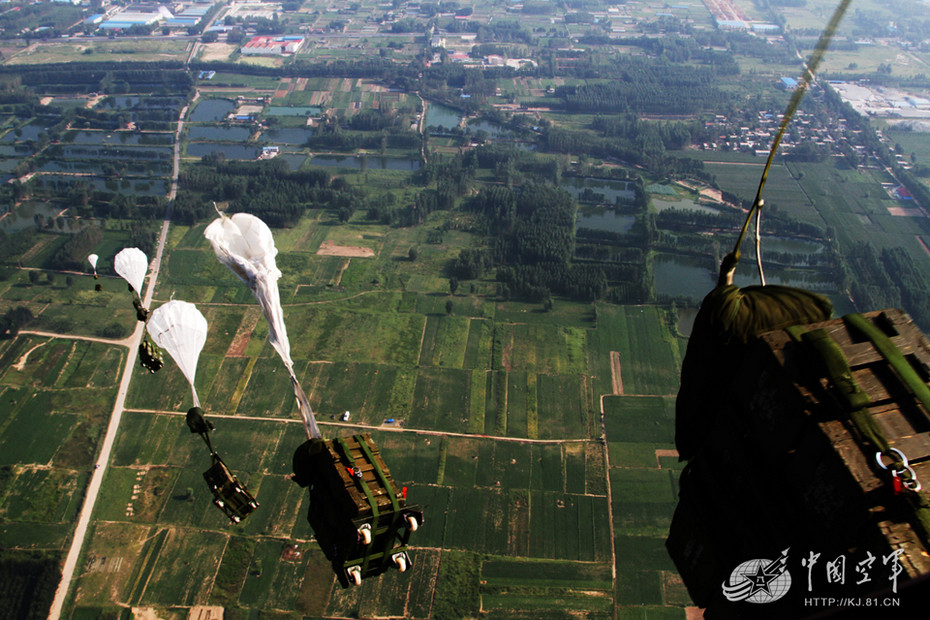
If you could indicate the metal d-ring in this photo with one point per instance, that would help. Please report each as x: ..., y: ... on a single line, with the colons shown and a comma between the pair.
x: 911, y: 483
x: 878, y: 458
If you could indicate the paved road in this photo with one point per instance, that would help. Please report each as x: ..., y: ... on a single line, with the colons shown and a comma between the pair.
x: 103, y: 460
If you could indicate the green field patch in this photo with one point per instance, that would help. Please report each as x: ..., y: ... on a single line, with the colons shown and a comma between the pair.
x: 233, y: 571
x: 411, y: 458
x: 477, y: 401
x: 285, y: 589
x: 183, y: 573
x: 643, y: 485
x: 440, y: 401
x: 386, y: 595
x: 517, y: 393
x: 228, y: 385
x: 574, y: 455
x: 546, y: 602
x: 639, y: 553
x: 546, y: 473
x: 569, y: 527
x: 115, y: 493
x: 643, y: 518
x: 639, y: 587
x: 91, y: 364
x: 595, y: 464
x: 628, y: 454
x: 35, y: 434
x: 317, y: 583
x: 260, y: 576
x: 462, y: 462
x: 444, y: 341
x: 334, y: 333
x: 45, y: 495
x: 362, y: 389
x: 195, y: 508
x: 223, y: 325
x: 506, y: 465
x: 29, y: 535
x: 479, y: 520
x: 478, y: 345
x: 504, y: 572
x: 436, y: 503
x: 646, y: 420
x: 495, y: 404
x: 142, y: 569
x: 549, y: 349
x: 649, y: 353
x: 269, y: 391
x: 563, y: 407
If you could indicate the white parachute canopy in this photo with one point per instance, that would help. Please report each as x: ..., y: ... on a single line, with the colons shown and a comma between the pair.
x: 132, y: 265
x: 244, y: 244
x: 92, y: 259
x: 180, y: 329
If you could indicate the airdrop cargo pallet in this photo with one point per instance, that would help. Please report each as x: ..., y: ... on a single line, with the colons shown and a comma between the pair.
x: 360, y: 518
x: 800, y: 454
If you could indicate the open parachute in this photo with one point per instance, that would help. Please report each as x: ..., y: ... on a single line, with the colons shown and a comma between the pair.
x: 245, y: 245
x: 92, y: 259
x: 132, y: 264
x: 180, y: 329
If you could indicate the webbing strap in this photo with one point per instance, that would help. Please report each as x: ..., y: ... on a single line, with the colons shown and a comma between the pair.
x: 854, y: 398
x: 857, y: 401
x: 893, y: 356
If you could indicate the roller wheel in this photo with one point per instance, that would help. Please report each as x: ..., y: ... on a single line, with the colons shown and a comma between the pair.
x: 401, y: 562
x: 412, y: 523
x: 355, y: 576
x: 365, y: 533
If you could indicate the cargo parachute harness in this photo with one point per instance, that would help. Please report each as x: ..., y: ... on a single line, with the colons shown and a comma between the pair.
x: 818, y: 425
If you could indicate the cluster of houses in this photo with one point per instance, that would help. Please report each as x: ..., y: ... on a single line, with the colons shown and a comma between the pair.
x: 757, y: 138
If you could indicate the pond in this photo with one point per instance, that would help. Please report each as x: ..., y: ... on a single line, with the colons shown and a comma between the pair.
x: 287, y: 135
x: 682, y: 276
x: 231, y: 151
x: 688, y: 276
x: 112, y: 153
x: 23, y: 217
x: 790, y: 245
x: 8, y: 150
x: 212, y: 110
x: 277, y: 110
x: 136, y: 102
x: 438, y: 115
x: 610, y: 189
x: 492, y: 129
x: 294, y: 160
x: 119, y: 137
x: 683, y: 204
x: 225, y: 134
x: 24, y: 133
x: 600, y: 218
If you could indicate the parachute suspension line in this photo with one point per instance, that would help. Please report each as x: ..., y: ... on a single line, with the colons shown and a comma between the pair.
x: 806, y: 78
x: 759, y: 243
x: 303, y: 405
